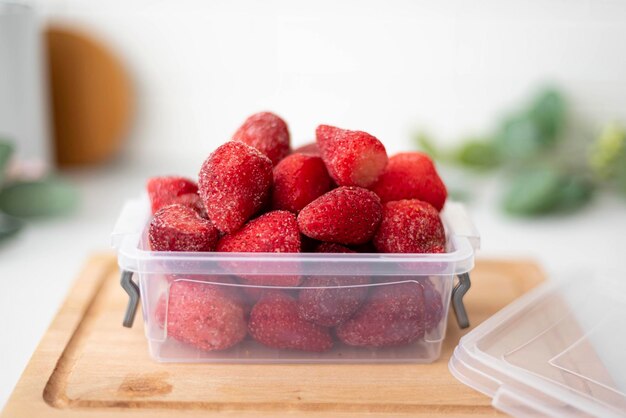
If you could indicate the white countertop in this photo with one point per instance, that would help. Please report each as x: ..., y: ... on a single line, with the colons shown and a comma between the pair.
x: 38, y: 267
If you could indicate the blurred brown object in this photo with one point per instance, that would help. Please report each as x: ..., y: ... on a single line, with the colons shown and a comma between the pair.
x: 91, y: 98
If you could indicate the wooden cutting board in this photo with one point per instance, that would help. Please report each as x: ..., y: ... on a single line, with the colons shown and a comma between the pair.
x: 88, y: 365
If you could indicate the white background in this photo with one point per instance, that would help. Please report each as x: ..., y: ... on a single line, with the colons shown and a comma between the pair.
x: 387, y: 67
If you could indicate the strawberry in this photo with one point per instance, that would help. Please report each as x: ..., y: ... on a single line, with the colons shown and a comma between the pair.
x: 206, y: 316
x: 330, y: 247
x: 194, y: 201
x: 273, y: 232
x: 274, y: 322
x: 393, y: 315
x: 411, y: 175
x: 164, y: 190
x: 181, y: 228
x: 353, y: 158
x: 298, y: 180
x: 266, y: 132
x: 410, y: 226
x: 346, y: 215
x: 234, y: 183
x: 310, y: 148
x: 330, y: 300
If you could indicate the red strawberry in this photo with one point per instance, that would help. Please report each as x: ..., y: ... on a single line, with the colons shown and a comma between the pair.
x: 410, y: 226
x: 393, y: 315
x: 346, y: 215
x: 353, y: 158
x: 433, y: 306
x: 274, y: 322
x: 164, y: 190
x: 206, y: 316
x: 266, y: 132
x: 273, y: 232
x: 180, y: 228
x: 310, y: 148
x: 234, y: 184
x: 192, y: 200
x: 298, y: 180
x: 330, y: 247
x: 411, y: 175
x: 330, y: 300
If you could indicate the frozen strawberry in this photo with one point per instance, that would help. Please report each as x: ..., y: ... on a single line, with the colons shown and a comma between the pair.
x: 234, y: 183
x: 266, y: 132
x: 393, y: 315
x: 331, y: 247
x: 192, y: 200
x: 164, y: 190
x: 411, y: 175
x: 298, y: 180
x: 181, y: 228
x: 310, y: 148
x: 330, y: 300
x: 433, y: 306
x: 353, y: 158
x: 346, y: 215
x: 206, y: 316
x: 410, y: 226
x: 274, y: 322
x: 273, y: 232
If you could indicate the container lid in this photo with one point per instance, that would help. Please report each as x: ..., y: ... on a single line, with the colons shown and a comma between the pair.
x: 558, y: 351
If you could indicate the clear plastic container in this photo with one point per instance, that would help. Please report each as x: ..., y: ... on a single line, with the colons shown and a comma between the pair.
x: 558, y: 351
x: 176, y: 324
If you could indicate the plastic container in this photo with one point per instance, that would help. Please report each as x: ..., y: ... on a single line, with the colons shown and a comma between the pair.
x: 559, y: 351
x: 427, y: 280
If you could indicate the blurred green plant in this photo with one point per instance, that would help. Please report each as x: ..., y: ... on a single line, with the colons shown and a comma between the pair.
x: 26, y: 199
x: 530, y: 147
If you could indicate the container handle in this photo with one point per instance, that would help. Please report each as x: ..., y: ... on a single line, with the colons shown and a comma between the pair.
x: 458, y: 292
x: 133, y: 297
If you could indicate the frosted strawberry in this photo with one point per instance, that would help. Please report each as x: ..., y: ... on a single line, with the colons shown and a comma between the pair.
x: 410, y: 226
x: 266, y: 132
x: 393, y: 315
x: 330, y: 300
x: 274, y: 322
x: 180, y: 228
x: 298, y: 180
x: 206, y: 316
x: 411, y: 175
x: 273, y: 232
x: 194, y: 201
x: 234, y: 183
x: 310, y: 148
x: 353, y: 158
x: 346, y: 215
x: 163, y: 191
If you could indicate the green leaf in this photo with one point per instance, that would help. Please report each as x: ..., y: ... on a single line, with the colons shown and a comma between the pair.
x: 6, y: 151
x: 9, y: 225
x: 533, y: 192
x: 520, y: 138
x: 548, y: 111
x: 479, y: 154
x: 574, y: 192
x: 42, y: 198
x: 608, y: 153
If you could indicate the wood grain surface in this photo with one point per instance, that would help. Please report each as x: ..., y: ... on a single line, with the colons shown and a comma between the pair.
x: 87, y: 365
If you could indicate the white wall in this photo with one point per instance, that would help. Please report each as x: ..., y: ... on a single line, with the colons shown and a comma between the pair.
x: 383, y: 66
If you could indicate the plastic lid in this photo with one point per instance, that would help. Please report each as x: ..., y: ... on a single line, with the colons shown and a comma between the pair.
x: 560, y: 350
